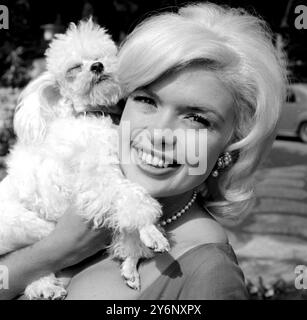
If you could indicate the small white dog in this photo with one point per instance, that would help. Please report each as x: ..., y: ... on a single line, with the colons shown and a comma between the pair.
x: 63, y: 160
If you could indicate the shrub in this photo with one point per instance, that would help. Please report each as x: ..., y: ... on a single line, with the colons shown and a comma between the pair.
x: 8, y: 101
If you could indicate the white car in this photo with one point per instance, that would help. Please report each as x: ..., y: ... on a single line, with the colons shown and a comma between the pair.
x: 293, y: 121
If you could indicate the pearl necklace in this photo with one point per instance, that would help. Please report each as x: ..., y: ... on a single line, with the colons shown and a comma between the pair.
x: 179, y: 213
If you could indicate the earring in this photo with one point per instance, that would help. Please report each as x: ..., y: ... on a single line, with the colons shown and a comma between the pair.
x: 222, y: 162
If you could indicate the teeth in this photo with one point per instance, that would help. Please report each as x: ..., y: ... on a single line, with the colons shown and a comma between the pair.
x: 149, y: 159
x: 155, y: 161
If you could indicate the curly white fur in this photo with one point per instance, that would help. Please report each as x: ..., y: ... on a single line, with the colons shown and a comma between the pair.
x: 62, y: 160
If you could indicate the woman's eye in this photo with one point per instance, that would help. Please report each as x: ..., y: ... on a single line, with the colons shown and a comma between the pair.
x: 145, y: 100
x: 200, y: 119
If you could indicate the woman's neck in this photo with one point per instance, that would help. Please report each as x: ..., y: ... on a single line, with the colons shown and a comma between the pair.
x: 171, y: 205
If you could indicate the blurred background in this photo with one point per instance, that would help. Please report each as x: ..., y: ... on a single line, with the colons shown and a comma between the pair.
x: 271, y: 241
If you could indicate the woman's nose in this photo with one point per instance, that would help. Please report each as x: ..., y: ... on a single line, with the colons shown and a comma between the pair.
x: 165, y: 118
x: 163, y: 129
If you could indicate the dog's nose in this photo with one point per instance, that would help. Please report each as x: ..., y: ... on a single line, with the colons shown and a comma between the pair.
x: 97, y: 67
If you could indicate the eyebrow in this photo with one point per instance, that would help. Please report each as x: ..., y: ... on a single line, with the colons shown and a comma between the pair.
x: 149, y: 92
x: 207, y: 108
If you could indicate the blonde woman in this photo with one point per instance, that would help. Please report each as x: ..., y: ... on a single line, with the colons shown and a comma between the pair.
x: 211, y: 73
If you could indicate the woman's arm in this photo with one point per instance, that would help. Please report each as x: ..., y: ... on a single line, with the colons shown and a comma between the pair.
x: 71, y: 242
x: 28, y: 264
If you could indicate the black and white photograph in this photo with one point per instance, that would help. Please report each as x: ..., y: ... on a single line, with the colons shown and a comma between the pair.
x: 153, y: 150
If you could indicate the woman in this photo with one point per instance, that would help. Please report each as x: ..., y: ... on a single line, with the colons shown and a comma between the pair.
x: 205, y: 80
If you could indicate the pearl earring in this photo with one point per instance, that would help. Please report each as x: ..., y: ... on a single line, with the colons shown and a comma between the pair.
x: 222, y: 162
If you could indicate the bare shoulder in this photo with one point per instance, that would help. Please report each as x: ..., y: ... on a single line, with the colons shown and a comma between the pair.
x: 200, y: 228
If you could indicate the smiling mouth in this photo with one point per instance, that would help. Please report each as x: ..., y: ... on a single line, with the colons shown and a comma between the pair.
x: 154, y: 160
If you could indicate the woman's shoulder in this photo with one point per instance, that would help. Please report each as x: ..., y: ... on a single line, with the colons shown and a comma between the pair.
x: 213, y: 273
x: 205, y: 257
x: 208, y: 271
x: 209, y: 256
x: 200, y: 228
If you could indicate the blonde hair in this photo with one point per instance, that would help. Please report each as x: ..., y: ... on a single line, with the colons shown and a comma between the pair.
x: 238, y: 47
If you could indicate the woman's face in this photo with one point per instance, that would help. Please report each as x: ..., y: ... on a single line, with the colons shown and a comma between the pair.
x: 173, y: 131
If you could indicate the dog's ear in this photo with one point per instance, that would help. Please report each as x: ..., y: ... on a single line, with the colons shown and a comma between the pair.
x: 35, y: 110
x: 51, y: 95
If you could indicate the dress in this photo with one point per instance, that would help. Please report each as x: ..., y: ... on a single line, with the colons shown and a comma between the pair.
x: 205, y: 272
x: 208, y: 271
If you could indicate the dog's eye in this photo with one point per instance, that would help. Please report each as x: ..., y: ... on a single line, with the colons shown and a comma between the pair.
x: 75, y: 67
x: 73, y: 71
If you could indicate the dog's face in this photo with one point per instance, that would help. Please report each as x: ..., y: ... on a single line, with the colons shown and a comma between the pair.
x: 84, y: 62
x: 91, y: 81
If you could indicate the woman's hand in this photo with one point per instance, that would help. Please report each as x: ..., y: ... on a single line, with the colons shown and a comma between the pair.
x: 72, y: 241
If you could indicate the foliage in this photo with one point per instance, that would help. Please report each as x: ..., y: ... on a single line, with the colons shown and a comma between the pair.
x: 17, y: 73
x: 279, y: 290
x: 8, y: 101
x: 19, y: 46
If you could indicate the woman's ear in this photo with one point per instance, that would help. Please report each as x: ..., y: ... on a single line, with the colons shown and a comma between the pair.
x: 35, y: 110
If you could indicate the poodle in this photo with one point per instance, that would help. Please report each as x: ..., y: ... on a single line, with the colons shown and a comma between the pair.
x: 67, y: 158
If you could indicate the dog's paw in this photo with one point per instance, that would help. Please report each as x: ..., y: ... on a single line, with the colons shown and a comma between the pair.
x: 154, y: 239
x: 132, y: 280
x: 130, y: 274
x: 47, y: 288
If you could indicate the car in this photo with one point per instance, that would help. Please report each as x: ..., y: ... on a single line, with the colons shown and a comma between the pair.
x: 293, y: 121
